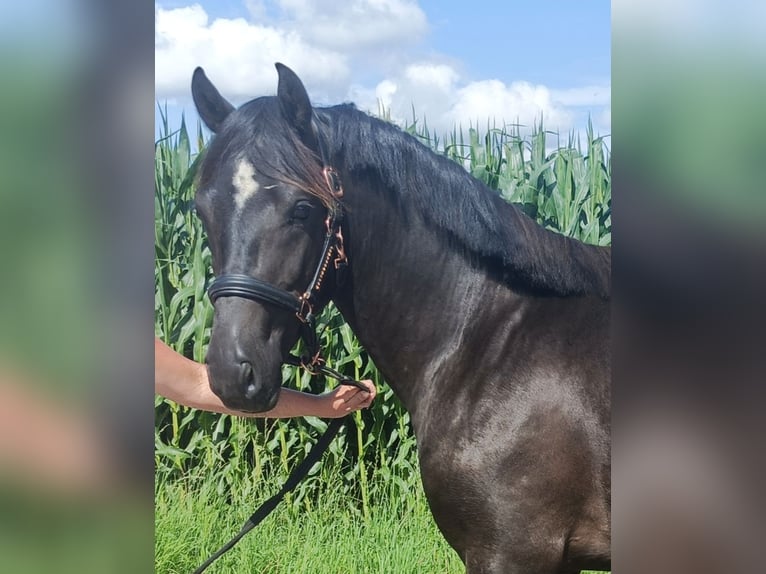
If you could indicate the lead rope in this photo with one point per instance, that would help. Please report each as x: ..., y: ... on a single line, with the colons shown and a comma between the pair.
x: 300, y: 471
x: 292, y: 481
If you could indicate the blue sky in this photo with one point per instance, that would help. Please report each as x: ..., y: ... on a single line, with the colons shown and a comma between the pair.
x: 455, y: 62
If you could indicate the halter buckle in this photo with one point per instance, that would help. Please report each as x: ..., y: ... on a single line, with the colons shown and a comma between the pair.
x: 341, y: 260
x: 332, y: 178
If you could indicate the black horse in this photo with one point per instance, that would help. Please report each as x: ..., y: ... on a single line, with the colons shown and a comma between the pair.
x: 493, y: 331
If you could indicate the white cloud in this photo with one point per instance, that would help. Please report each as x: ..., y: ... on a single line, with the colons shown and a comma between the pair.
x: 328, y: 43
x: 237, y: 55
x: 356, y: 25
x: 426, y: 86
x: 519, y: 101
x: 438, y: 76
x: 436, y: 93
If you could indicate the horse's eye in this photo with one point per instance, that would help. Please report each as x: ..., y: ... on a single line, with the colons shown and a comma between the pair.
x: 302, y: 210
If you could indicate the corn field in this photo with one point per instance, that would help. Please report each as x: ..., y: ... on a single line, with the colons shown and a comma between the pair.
x: 567, y: 190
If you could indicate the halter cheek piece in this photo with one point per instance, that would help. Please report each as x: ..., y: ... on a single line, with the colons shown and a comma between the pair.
x: 246, y: 287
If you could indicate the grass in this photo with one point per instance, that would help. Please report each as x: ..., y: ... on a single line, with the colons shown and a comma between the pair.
x: 329, y: 536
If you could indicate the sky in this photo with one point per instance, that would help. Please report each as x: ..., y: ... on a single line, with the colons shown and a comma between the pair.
x: 456, y: 63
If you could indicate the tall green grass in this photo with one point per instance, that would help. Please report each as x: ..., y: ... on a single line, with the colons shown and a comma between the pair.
x: 206, y: 462
x: 323, y: 533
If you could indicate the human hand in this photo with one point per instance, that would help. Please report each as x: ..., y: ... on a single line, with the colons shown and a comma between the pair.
x: 346, y: 399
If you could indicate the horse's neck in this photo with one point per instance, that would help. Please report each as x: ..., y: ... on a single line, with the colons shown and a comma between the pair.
x: 411, y: 297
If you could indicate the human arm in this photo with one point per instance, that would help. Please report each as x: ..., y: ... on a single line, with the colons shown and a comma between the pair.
x: 186, y: 382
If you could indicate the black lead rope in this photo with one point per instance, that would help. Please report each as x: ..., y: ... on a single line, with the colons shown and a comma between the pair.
x: 321, y: 368
x: 298, y: 473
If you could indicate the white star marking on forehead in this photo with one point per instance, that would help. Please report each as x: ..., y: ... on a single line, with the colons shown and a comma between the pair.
x: 244, y: 183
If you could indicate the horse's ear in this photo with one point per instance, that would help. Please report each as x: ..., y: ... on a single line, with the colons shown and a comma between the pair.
x: 211, y: 105
x: 295, y: 104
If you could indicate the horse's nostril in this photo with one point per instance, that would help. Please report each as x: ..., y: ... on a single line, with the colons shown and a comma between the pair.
x: 246, y: 379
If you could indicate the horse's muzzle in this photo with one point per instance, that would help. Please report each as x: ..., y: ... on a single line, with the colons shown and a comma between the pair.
x: 239, y: 387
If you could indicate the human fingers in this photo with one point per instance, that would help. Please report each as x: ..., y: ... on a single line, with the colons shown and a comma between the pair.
x: 366, y: 397
x: 371, y: 393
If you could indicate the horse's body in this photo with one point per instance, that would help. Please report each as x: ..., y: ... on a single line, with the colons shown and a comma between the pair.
x: 492, y: 331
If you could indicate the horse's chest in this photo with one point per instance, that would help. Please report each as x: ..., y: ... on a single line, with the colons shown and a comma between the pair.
x: 455, y: 482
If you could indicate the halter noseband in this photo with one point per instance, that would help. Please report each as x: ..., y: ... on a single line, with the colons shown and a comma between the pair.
x: 246, y: 287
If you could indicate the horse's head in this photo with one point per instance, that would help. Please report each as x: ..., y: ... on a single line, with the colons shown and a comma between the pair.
x: 263, y: 201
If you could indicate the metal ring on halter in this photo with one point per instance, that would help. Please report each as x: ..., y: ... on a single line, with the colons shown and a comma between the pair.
x: 304, y: 304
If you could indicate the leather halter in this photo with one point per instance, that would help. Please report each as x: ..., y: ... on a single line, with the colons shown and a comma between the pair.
x: 246, y: 287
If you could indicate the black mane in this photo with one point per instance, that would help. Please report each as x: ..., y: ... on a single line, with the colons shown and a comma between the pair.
x: 492, y: 231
